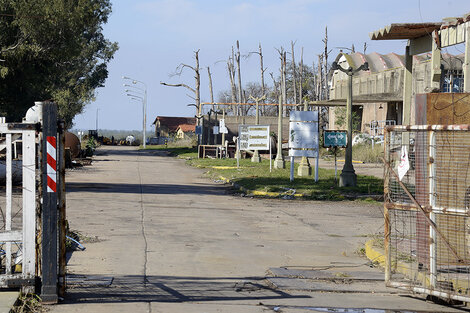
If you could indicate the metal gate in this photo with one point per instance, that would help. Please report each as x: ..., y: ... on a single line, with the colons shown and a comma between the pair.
x: 427, y: 201
x: 17, y: 205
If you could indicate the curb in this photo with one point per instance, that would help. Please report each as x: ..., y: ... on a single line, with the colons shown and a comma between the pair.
x: 373, y: 254
x: 258, y: 193
x: 377, y: 255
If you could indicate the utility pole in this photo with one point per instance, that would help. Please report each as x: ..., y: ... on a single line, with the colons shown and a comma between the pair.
x: 348, y: 177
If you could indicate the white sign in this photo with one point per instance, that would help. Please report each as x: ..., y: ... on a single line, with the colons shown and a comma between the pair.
x: 404, y: 165
x: 222, y: 128
x: 303, y: 116
x: 303, y: 134
x: 253, y: 137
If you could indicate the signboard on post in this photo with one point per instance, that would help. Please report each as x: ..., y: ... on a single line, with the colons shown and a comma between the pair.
x: 253, y: 137
x: 335, y: 138
x: 222, y: 128
x: 198, y: 130
x: 303, y: 137
x: 303, y: 134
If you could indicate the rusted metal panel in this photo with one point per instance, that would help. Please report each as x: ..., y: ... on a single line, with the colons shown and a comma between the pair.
x: 447, y: 108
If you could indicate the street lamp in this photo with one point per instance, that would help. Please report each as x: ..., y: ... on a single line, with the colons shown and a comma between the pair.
x: 348, y: 176
x: 137, y: 97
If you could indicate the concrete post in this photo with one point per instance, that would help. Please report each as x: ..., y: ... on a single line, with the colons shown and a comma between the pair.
x: 407, y: 86
x: 304, y: 167
x: 279, y: 161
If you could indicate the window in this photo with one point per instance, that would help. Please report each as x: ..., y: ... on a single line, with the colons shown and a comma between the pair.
x: 452, y: 81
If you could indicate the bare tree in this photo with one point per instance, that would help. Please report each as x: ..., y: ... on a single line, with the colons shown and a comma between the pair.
x: 212, y: 106
x: 197, y: 87
x: 240, y: 91
x: 262, y: 70
x: 231, y: 73
x: 294, y: 79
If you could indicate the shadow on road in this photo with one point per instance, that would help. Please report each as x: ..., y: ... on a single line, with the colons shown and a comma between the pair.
x: 137, y: 288
x: 169, y: 189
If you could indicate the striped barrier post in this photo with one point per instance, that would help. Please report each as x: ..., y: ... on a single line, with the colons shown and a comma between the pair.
x: 51, y: 164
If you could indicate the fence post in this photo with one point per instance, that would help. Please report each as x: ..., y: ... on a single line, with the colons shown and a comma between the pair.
x: 49, y: 204
x: 62, y: 210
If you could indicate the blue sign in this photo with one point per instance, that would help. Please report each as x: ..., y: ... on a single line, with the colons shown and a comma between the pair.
x: 335, y: 138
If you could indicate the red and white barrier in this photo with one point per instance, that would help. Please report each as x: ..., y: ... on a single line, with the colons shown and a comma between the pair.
x: 51, y: 164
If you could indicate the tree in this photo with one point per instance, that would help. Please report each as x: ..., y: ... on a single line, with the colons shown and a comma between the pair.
x: 52, y: 50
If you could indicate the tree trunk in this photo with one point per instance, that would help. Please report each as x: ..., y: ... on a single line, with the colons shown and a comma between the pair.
x: 301, y: 70
x: 212, y: 101
x: 283, y: 83
x: 240, y: 91
x: 263, y: 88
x: 294, y: 79
x: 198, y: 93
x: 231, y: 74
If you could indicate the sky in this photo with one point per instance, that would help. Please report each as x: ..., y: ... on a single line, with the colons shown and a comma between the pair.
x: 154, y: 37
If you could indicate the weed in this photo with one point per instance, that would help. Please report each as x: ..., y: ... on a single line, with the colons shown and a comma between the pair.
x: 28, y: 303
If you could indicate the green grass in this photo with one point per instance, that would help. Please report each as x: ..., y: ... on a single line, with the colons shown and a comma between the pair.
x: 182, y: 152
x: 257, y: 176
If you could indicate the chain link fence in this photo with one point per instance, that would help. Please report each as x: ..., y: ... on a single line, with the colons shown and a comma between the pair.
x: 427, y: 197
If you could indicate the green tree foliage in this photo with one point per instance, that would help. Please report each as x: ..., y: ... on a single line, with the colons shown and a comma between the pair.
x: 340, y: 118
x: 52, y: 50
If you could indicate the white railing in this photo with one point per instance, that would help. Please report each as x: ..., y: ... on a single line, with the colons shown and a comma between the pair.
x: 18, y: 208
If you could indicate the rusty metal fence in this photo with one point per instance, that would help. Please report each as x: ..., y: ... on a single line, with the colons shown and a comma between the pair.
x: 427, y: 199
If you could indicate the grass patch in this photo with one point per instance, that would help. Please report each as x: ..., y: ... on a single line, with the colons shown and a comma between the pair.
x: 182, y: 152
x: 257, y: 177
x: 362, y: 152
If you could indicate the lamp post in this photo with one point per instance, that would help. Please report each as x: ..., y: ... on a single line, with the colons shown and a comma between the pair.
x: 348, y: 177
x: 97, y: 110
x: 143, y: 93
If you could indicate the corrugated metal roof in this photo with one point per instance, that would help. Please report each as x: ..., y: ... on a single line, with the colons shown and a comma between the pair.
x: 404, y: 31
x: 382, y: 62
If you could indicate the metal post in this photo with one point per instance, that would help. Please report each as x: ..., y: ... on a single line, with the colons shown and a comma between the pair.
x: 292, y: 160
x: 223, y: 134
x: 49, y: 209
x: 432, y: 215
x: 144, y: 135
x: 62, y: 211
x: 9, y: 189
x: 387, y: 228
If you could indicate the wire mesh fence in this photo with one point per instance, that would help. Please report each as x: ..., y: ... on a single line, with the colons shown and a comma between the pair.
x: 427, y: 197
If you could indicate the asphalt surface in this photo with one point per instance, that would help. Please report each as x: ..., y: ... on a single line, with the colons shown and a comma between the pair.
x: 163, y: 238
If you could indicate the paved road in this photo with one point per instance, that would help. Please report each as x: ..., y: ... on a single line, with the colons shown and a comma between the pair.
x: 165, y: 239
